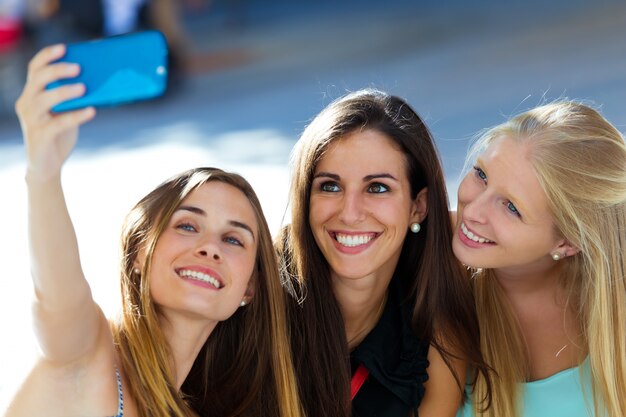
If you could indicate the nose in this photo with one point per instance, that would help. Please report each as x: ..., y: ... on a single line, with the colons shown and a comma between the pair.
x: 473, y: 202
x: 352, y: 208
x: 208, y: 248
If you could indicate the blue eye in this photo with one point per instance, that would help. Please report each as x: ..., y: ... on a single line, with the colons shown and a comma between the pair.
x: 511, y: 207
x: 480, y: 173
x: 329, y: 187
x: 377, y: 188
x: 233, y: 241
x: 188, y: 227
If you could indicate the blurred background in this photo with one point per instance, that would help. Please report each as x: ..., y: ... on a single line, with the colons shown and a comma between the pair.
x: 247, y: 76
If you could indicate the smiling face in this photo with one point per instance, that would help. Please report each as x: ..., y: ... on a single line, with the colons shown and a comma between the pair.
x: 203, y: 260
x: 503, y: 218
x: 361, y: 207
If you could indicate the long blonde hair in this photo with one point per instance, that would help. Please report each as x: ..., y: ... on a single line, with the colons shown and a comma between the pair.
x: 245, y: 367
x: 580, y: 161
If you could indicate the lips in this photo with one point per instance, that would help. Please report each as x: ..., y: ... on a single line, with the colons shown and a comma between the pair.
x: 473, y: 236
x: 201, y: 275
x: 352, y: 240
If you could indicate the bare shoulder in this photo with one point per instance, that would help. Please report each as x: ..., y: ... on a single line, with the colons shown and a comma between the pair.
x: 84, y: 387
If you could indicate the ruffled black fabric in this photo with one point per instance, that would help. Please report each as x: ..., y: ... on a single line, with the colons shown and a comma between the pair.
x: 396, y: 359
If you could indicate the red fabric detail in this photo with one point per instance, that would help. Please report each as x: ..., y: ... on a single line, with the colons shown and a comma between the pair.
x: 358, y: 379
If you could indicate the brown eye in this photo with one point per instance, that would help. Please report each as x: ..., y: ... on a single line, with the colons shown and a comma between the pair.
x: 377, y: 188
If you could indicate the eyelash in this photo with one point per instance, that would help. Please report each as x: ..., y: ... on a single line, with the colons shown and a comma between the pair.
x: 325, y: 186
x: 480, y: 174
x: 332, y: 187
x: 511, y: 207
x: 508, y: 204
x: 382, y: 188
x: 184, y: 226
x: 230, y: 240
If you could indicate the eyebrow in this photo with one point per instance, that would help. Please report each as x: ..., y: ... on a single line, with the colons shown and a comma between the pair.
x: 199, y: 211
x: 365, y: 178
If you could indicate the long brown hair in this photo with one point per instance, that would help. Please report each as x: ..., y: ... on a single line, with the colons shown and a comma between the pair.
x: 580, y: 161
x: 435, y: 281
x: 245, y: 366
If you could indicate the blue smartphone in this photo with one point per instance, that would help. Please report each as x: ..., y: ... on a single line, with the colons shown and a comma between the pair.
x: 117, y: 70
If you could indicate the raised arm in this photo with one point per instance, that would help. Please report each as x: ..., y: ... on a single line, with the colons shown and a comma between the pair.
x: 67, y: 320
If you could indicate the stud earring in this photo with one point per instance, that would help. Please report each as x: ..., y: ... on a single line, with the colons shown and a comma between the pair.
x: 136, y: 271
x: 415, y: 227
x: 243, y: 303
x: 556, y: 256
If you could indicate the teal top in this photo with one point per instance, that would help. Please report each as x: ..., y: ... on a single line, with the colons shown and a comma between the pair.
x: 559, y: 395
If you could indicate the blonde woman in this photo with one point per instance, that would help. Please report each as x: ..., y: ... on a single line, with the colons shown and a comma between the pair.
x: 201, y: 294
x: 542, y: 219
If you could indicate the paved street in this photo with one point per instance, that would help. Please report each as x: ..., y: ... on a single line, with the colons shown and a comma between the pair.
x: 463, y: 69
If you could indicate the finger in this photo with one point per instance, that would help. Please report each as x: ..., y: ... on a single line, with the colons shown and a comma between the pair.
x: 48, y: 74
x: 37, y: 107
x: 65, y: 121
x: 46, y: 56
x: 51, y: 98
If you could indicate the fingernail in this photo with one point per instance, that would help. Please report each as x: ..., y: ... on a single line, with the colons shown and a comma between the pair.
x: 73, y: 68
x: 58, y: 49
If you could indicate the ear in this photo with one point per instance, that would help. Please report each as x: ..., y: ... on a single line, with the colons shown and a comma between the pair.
x: 419, y: 207
x: 565, y: 248
x: 249, y: 294
x: 140, y: 259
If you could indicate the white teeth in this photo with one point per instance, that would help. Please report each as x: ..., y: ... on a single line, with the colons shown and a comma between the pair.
x: 352, y: 240
x: 199, y: 276
x: 472, y: 236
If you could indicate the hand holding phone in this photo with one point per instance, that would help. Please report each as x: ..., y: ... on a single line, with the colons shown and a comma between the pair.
x: 117, y: 70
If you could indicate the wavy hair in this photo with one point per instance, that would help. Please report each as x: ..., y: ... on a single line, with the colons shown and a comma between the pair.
x: 245, y: 367
x: 580, y: 161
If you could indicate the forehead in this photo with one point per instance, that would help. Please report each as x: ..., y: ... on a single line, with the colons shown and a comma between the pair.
x: 372, y: 150
x: 221, y: 200
x: 506, y: 163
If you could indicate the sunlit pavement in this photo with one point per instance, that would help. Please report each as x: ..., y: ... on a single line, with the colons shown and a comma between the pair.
x: 461, y: 71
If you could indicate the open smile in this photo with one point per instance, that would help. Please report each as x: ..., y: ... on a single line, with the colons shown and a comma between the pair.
x: 473, y: 236
x: 472, y: 239
x: 204, y: 277
x: 354, y: 239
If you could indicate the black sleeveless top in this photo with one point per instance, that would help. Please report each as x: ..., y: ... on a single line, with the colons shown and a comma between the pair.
x: 396, y: 360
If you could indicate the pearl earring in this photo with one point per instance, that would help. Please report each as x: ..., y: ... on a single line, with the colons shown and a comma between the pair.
x: 136, y: 271
x: 243, y: 303
x: 556, y: 256
x: 415, y: 227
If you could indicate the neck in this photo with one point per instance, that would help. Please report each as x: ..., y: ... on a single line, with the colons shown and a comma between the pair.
x: 548, y: 323
x: 361, y: 303
x: 532, y: 279
x: 185, y: 337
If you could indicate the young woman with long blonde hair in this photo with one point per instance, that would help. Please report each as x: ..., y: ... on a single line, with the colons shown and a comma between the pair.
x: 542, y: 220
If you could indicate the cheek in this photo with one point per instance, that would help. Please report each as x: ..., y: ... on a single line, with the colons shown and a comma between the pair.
x: 318, y: 212
x: 465, y: 192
